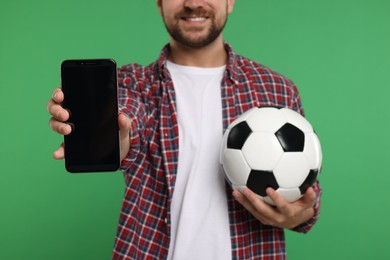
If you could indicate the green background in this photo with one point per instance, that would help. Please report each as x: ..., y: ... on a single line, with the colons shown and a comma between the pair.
x: 336, y: 51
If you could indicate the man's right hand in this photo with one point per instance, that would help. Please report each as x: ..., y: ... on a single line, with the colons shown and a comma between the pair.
x: 58, y: 119
x: 58, y: 124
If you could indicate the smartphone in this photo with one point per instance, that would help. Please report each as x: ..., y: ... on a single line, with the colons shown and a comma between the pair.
x: 90, y: 96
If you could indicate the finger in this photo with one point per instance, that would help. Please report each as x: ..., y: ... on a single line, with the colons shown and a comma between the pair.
x: 260, y: 207
x: 57, y: 96
x: 241, y: 198
x: 54, y: 107
x: 60, y: 127
x: 280, y: 202
x: 57, y: 111
x: 309, y: 197
x: 257, y: 203
x: 49, y: 104
x: 59, y: 153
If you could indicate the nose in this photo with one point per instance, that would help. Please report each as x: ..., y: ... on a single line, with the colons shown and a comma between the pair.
x: 193, y: 4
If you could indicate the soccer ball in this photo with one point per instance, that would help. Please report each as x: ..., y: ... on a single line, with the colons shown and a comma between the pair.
x: 271, y: 147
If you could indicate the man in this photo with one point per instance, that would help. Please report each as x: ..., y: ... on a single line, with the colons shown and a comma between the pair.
x: 172, y: 116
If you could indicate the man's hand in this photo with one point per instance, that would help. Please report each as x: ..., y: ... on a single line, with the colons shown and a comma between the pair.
x: 58, y: 124
x: 284, y: 214
x: 58, y: 119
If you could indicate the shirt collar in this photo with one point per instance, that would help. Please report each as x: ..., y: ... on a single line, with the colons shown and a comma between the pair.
x: 232, y: 69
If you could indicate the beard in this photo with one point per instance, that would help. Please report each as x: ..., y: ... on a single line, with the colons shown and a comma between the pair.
x: 177, y: 32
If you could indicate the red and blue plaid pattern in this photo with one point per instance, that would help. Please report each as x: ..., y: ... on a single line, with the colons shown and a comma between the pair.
x: 147, y: 96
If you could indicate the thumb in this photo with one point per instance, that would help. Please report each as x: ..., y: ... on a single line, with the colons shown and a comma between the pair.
x: 310, y: 197
x: 124, y: 123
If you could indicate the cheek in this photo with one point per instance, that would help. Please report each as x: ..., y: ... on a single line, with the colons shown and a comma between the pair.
x: 168, y: 20
x: 167, y: 12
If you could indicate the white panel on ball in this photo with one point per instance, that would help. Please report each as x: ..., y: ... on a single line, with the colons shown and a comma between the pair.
x: 312, y: 151
x: 235, y: 166
x: 297, y: 167
x: 267, y: 119
x: 262, y: 151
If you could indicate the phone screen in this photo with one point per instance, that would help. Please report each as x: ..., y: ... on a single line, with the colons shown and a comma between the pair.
x: 90, y: 96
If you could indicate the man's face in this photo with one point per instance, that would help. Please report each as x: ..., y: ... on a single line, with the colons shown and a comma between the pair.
x: 195, y: 23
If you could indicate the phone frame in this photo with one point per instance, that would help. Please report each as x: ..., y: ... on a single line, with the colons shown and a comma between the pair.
x: 71, y: 165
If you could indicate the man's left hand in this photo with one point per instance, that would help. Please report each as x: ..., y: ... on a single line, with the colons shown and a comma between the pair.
x: 284, y: 214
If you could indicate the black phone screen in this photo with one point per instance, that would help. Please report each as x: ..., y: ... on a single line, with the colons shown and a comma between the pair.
x: 90, y: 95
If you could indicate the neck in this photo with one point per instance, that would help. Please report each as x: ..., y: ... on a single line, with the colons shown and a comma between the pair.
x: 212, y: 55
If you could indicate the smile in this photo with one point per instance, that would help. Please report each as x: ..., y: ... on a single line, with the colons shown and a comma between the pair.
x: 195, y: 19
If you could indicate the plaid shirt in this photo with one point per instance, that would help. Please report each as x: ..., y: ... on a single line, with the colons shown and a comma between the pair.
x: 147, y: 96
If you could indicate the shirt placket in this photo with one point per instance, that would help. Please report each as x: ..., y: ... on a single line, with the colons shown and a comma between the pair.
x: 169, y: 141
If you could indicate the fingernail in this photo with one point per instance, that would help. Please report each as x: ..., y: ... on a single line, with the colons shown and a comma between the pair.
x: 269, y: 191
x: 54, y: 95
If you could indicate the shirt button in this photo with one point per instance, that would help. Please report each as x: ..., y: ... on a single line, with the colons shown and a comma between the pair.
x: 166, y: 221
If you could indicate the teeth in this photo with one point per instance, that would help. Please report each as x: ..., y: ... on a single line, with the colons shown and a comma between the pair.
x: 196, y: 19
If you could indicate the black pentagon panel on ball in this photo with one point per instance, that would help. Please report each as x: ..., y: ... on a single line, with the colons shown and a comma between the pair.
x: 291, y: 138
x: 238, y: 135
x: 309, y: 181
x: 259, y: 181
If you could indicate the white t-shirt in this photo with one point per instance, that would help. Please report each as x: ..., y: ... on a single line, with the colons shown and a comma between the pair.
x: 199, y: 212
